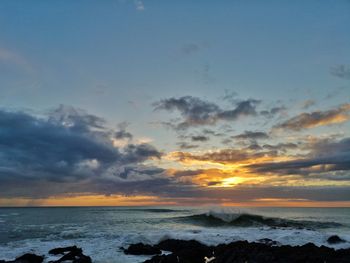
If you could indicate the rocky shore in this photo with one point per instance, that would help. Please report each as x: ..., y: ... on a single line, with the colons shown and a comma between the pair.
x: 264, y: 251
x: 192, y: 251
x: 71, y: 254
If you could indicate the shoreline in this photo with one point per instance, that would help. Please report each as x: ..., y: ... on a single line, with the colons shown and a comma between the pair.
x: 192, y: 251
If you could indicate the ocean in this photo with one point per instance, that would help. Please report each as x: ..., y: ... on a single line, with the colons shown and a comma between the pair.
x: 101, y: 231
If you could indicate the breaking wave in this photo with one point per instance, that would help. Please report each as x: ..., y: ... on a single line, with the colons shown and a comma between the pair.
x: 215, y: 219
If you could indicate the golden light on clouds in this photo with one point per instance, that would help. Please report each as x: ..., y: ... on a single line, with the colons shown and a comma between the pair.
x: 87, y: 200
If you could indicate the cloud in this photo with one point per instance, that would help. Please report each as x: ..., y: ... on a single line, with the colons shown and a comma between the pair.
x: 187, y: 146
x: 199, y: 138
x: 324, y: 157
x: 122, y: 134
x: 212, y: 133
x: 139, y: 5
x: 280, y: 146
x: 198, y: 112
x: 317, y: 118
x: 251, y: 135
x: 230, y: 96
x: 10, y: 57
x: 190, y: 48
x: 341, y: 71
x: 70, y: 152
x: 307, y: 104
x: 224, y: 156
x: 69, y: 146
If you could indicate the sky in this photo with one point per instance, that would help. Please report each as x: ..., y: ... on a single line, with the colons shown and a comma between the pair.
x: 149, y: 102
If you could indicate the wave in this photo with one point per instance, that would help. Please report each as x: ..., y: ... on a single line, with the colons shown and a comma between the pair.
x: 215, y: 219
x: 135, y: 209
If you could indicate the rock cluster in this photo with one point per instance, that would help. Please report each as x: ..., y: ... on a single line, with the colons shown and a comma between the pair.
x: 26, y: 258
x: 71, y: 254
x: 191, y: 251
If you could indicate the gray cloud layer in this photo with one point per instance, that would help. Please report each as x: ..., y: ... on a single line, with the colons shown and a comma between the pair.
x: 325, y: 157
x: 71, y: 152
x: 198, y: 112
x: 68, y: 146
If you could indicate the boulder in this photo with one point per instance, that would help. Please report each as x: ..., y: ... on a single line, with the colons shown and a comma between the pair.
x: 142, y: 249
x: 335, y: 240
x: 29, y: 258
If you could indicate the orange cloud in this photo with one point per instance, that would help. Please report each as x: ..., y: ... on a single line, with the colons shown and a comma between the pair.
x: 317, y: 118
x: 87, y: 200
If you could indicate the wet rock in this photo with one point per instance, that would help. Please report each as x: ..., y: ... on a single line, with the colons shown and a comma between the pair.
x: 243, y: 251
x: 176, y: 245
x: 142, y: 249
x: 62, y: 250
x: 164, y: 259
x: 268, y: 241
x: 335, y: 240
x: 26, y: 258
x: 29, y: 258
x: 72, y: 254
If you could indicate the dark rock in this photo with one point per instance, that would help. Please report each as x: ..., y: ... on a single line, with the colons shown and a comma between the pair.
x: 176, y: 245
x: 29, y: 258
x: 73, y: 254
x: 243, y: 251
x: 335, y: 240
x: 187, y: 251
x: 142, y: 249
x: 172, y: 258
x: 82, y: 259
x: 62, y: 250
x: 26, y: 258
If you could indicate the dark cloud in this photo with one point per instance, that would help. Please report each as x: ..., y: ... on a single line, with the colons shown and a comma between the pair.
x: 251, y: 135
x: 212, y: 133
x: 273, y: 111
x: 184, y: 173
x: 187, y: 146
x: 75, y: 119
x: 198, y: 112
x: 280, y: 146
x: 341, y: 71
x: 317, y: 118
x: 122, y: 134
x: 139, y: 153
x: 68, y: 146
x: 324, y: 157
x: 199, y: 138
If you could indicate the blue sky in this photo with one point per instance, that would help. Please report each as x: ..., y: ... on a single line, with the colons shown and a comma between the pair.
x: 115, y: 59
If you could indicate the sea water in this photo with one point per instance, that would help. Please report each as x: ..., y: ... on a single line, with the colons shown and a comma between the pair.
x: 102, y: 231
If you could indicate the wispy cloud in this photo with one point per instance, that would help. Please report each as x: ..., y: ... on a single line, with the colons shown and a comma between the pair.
x: 317, y: 118
x: 9, y: 57
x: 341, y: 71
x: 139, y: 5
